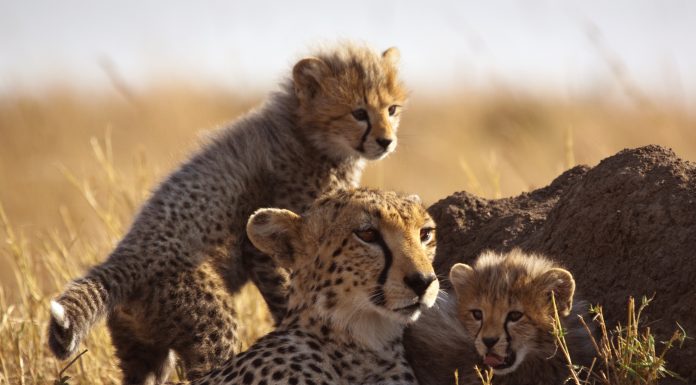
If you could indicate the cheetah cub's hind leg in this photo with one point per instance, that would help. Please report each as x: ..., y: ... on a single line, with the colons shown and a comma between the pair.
x: 141, y: 363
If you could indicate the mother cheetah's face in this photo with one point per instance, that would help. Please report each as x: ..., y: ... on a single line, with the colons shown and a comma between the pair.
x: 384, y: 258
x: 359, y: 252
x: 350, y: 106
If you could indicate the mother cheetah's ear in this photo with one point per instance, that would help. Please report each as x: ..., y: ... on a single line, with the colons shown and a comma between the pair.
x: 561, y: 283
x: 461, y: 276
x: 308, y: 75
x: 415, y: 198
x: 275, y: 232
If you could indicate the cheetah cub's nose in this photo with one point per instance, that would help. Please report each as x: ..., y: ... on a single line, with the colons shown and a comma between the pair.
x: 419, y: 282
x: 384, y: 142
x: 490, y: 341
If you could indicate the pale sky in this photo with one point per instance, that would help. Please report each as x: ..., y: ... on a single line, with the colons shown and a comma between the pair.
x: 451, y: 45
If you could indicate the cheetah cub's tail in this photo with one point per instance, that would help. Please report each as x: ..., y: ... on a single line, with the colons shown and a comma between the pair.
x: 61, y: 340
x: 84, y: 302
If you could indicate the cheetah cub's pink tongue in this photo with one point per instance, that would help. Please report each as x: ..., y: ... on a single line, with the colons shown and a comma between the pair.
x: 493, y: 360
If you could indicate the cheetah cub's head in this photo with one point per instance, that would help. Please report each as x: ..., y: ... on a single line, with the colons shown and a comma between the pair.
x: 505, y: 301
x: 350, y: 101
x: 357, y: 256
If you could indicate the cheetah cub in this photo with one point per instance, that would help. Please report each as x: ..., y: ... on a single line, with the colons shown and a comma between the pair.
x: 166, y: 287
x: 362, y: 270
x: 504, y: 303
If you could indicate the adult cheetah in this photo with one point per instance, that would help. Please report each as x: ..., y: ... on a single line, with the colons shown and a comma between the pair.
x: 167, y: 285
x: 362, y: 270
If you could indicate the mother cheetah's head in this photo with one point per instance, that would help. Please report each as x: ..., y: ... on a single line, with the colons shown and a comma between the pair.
x: 355, y: 255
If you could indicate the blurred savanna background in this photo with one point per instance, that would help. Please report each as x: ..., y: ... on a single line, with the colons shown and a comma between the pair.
x: 99, y: 101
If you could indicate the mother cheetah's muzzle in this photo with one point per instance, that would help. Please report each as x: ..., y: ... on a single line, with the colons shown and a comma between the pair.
x: 419, y: 282
x: 425, y: 286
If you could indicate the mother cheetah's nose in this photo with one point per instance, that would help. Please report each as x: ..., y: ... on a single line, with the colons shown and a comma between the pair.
x: 419, y: 282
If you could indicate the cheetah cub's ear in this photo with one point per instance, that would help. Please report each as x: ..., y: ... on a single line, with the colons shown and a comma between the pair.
x: 308, y: 75
x: 461, y: 276
x: 561, y: 283
x: 275, y: 232
x: 392, y: 56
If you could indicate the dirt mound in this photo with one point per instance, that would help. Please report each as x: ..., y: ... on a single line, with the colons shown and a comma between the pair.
x: 626, y: 227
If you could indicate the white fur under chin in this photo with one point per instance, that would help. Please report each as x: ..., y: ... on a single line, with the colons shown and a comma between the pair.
x: 367, y: 325
x: 374, y: 331
x: 58, y: 313
x: 519, y: 357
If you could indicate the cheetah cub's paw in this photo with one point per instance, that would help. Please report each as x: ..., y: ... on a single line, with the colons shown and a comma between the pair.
x: 61, y: 336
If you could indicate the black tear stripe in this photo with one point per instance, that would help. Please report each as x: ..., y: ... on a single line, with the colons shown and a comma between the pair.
x: 378, y: 297
x: 361, y: 147
x: 388, y: 258
x: 507, y: 333
x: 478, y: 332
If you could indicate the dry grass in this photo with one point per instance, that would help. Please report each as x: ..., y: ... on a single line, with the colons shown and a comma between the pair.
x: 44, y: 262
x: 67, y: 198
x: 626, y: 355
x: 485, y: 375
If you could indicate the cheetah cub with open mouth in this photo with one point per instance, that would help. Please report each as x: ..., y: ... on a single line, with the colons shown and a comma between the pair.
x: 362, y: 270
x: 504, y: 303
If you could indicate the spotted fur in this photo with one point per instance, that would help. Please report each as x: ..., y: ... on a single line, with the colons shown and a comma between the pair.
x: 504, y: 302
x: 361, y: 265
x: 167, y: 286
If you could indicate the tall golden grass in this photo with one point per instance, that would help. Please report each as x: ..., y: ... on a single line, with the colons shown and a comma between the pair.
x: 629, y: 354
x: 625, y: 355
x: 75, y: 166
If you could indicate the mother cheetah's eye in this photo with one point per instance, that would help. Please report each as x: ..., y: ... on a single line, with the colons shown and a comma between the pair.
x: 368, y: 235
x: 360, y: 114
x: 392, y: 109
x: 427, y: 234
x: 514, y: 316
x: 478, y: 314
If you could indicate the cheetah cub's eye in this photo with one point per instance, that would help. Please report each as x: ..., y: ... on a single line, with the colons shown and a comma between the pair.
x: 367, y: 235
x: 427, y: 234
x: 477, y: 314
x: 360, y: 114
x: 514, y: 316
x: 392, y: 109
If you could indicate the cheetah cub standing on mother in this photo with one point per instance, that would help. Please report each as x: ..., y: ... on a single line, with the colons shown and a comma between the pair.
x: 167, y: 285
x: 362, y: 270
